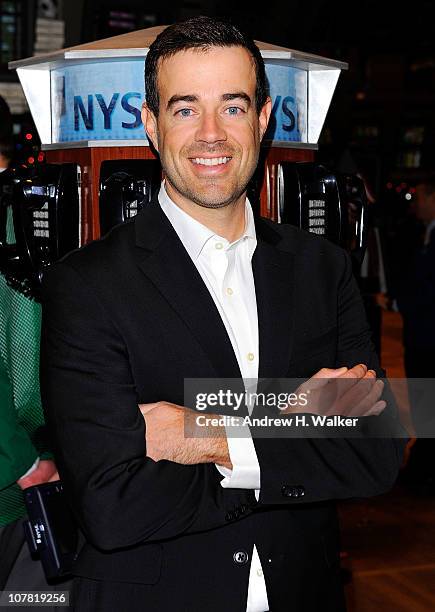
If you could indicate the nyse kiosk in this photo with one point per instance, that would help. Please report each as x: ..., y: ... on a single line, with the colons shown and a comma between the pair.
x: 86, y: 102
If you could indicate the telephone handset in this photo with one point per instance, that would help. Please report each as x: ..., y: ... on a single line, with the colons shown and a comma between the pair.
x: 126, y: 186
x: 355, y: 228
x: 11, y: 262
x: 319, y: 201
x: 46, y: 215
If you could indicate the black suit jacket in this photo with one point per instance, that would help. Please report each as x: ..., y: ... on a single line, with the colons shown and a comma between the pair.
x: 125, y: 320
x: 416, y: 301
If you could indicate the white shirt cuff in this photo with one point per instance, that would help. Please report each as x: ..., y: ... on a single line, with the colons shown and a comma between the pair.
x: 246, y: 469
x: 31, y: 469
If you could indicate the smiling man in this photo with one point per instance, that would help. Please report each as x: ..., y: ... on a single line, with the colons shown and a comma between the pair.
x: 208, y: 131
x: 195, y: 287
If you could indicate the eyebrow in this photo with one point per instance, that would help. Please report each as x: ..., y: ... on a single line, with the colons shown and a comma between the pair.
x: 239, y: 95
x: 176, y: 99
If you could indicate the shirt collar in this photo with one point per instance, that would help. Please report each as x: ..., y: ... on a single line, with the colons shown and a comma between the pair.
x: 193, y: 234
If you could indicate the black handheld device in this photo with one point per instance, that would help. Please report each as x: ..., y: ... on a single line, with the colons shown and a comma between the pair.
x: 51, y: 530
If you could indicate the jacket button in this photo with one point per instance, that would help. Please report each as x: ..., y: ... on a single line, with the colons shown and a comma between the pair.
x: 293, y: 491
x: 241, y: 557
x: 287, y: 491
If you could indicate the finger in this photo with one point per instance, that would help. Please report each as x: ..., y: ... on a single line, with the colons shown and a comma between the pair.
x: 358, y: 371
x: 329, y: 372
x: 351, y: 394
x: 369, y: 401
x: 144, y: 408
x: 377, y: 408
x: 350, y: 378
x: 321, y: 378
x: 370, y: 374
x: 344, y: 382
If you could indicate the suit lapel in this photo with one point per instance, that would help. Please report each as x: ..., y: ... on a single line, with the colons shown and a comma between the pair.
x: 273, y: 269
x: 165, y: 261
x: 183, y: 287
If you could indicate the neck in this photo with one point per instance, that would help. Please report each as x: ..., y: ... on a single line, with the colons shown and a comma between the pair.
x: 228, y: 221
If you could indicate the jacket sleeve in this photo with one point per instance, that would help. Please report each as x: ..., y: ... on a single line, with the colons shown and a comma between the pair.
x: 303, y: 470
x: 120, y: 497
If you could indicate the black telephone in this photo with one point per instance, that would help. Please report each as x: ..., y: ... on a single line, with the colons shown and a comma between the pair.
x: 126, y: 186
x: 319, y: 201
x: 43, y: 207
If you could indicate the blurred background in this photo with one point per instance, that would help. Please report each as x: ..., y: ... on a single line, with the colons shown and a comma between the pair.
x: 381, y: 125
x: 382, y: 108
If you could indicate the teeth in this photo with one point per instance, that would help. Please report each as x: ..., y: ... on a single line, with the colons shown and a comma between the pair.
x: 207, y: 161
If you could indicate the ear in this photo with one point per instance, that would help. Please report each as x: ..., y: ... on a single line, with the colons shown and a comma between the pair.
x: 149, y: 121
x: 265, y: 116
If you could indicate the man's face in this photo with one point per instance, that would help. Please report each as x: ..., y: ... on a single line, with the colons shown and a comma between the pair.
x: 208, y: 132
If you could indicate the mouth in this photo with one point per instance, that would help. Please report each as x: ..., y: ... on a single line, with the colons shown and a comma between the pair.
x: 210, y: 161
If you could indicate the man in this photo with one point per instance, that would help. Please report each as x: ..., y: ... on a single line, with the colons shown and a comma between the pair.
x: 416, y: 298
x: 195, y: 288
x: 416, y: 302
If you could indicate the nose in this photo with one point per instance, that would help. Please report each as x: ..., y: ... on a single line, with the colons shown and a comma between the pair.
x: 210, y: 129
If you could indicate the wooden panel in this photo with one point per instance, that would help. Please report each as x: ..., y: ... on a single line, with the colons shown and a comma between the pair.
x: 90, y: 159
x: 275, y: 155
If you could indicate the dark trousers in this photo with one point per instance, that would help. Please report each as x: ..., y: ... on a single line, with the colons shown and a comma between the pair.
x: 420, y: 363
x: 19, y: 571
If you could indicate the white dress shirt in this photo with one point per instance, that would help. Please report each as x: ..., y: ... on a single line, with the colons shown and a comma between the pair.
x: 226, y: 269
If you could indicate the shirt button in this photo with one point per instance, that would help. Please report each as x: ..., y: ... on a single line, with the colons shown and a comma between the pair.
x: 240, y: 557
x: 251, y: 357
x: 259, y: 572
x: 218, y: 245
x: 230, y: 291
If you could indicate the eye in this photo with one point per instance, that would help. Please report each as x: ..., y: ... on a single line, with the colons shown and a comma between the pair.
x: 184, y: 112
x: 234, y: 110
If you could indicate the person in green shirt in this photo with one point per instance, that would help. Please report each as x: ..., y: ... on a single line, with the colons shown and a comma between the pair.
x: 25, y: 456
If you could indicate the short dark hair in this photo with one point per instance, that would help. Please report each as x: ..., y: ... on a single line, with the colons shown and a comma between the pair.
x: 5, y: 120
x: 200, y: 33
x: 7, y: 148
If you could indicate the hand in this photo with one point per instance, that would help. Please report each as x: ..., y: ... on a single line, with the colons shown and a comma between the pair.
x: 165, y: 425
x: 348, y: 392
x: 45, y: 472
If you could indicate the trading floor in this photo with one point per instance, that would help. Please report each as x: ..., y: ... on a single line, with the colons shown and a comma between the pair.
x: 388, y: 542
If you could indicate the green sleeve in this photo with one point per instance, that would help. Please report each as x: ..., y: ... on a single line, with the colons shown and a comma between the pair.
x: 17, y: 452
x: 23, y: 435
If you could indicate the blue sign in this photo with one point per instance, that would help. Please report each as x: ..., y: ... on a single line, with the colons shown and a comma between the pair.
x: 102, y: 101
x: 288, y: 90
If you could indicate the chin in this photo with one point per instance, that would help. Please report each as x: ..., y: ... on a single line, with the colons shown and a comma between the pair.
x: 208, y: 202
x: 213, y: 198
